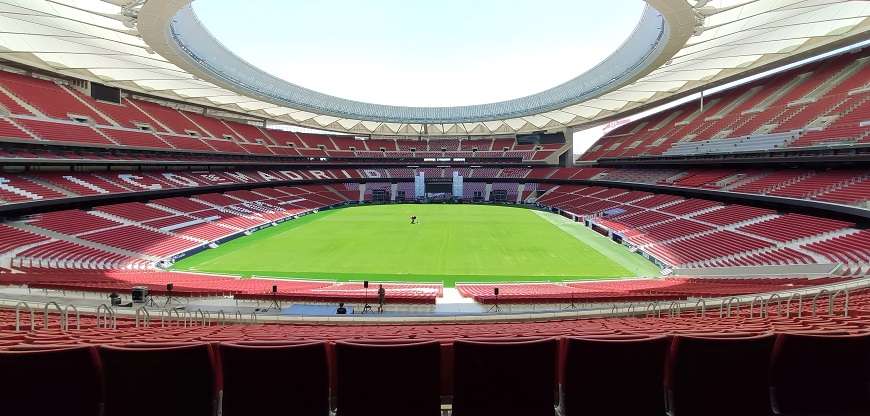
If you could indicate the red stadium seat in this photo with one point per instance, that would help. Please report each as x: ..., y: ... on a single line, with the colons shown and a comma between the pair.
x: 615, y: 376
x: 505, y: 377
x: 182, y: 377
x: 719, y: 376
x: 388, y: 378
x: 821, y: 375
x: 260, y: 379
x: 46, y: 381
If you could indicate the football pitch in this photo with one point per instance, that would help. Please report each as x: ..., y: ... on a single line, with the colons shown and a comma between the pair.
x: 452, y: 243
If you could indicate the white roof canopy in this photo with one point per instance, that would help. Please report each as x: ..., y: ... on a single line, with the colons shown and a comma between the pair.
x: 158, y: 47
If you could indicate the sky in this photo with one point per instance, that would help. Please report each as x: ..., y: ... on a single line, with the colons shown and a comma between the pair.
x: 428, y: 53
x: 422, y: 53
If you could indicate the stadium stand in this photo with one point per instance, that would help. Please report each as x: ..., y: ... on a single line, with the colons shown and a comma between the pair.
x: 816, y: 105
x: 743, y: 202
x: 188, y: 131
x: 694, y: 342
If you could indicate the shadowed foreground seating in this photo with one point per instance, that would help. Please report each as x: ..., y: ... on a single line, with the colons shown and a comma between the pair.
x: 391, y: 378
x: 504, y: 378
x: 615, y: 376
x: 149, y: 379
x: 710, y: 376
x: 821, y: 375
x: 64, y: 381
x: 259, y: 379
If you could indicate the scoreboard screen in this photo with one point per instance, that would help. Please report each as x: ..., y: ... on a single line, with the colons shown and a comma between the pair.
x: 439, y: 185
x: 439, y: 188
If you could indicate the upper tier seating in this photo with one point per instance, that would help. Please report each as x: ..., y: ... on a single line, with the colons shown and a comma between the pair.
x: 69, y: 132
x: 123, y: 113
x: 11, y: 131
x: 170, y: 120
x: 190, y: 131
x: 820, y: 103
x: 48, y: 98
x: 135, y: 138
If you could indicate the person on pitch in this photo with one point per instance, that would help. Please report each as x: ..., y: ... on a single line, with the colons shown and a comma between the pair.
x: 413, y: 219
x: 382, y: 294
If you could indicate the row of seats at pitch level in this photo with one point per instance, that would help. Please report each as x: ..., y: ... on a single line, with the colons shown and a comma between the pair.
x: 790, y: 374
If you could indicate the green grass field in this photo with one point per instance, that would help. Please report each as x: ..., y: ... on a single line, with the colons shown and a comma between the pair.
x: 465, y: 243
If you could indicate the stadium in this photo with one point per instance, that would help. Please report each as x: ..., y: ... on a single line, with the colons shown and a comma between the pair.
x: 679, y: 228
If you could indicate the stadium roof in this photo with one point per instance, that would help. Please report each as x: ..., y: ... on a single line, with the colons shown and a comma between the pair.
x: 160, y: 48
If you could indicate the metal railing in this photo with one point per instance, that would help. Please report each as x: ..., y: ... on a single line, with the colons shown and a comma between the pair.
x: 18, y: 316
x: 45, y: 315
x: 78, y: 317
x: 145, y: 317
x: 107, y: 314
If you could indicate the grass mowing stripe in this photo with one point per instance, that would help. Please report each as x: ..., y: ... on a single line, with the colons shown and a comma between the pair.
x: 636, y: 264
x: 453, y: 243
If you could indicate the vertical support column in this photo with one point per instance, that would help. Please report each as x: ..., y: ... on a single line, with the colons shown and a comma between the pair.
x: 420, y: 185
x: 567, y: 160
x: 458, y: 185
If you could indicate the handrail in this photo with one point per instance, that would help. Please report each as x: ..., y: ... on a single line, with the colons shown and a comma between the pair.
x: 819, y: 293
x: 778, y: 305
x: 222, y: 317
x: 800, y: 305
x: 146, y: 317
x: 254, y: 316
x: 671, y: 309
x: 703, y: 304
x: 193, y: 316
x: 845, y: 292
x: 78, y: 317
x: 655, y: 309
x: 169, y: 315
x: 630, y: 309
x: 760, y: 307
x: 239, y: 316
x: 45, y: 315
x: 109, y: 313
x: 729, y: 302
x: 18, y: 317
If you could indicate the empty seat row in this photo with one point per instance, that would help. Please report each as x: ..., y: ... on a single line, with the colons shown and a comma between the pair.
x: 760, y: 375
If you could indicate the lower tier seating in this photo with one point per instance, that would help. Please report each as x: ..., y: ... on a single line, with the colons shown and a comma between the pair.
x: 689, y: 233
x: 806, y: 365
x: 198, y: 285
x: 645, y: 290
